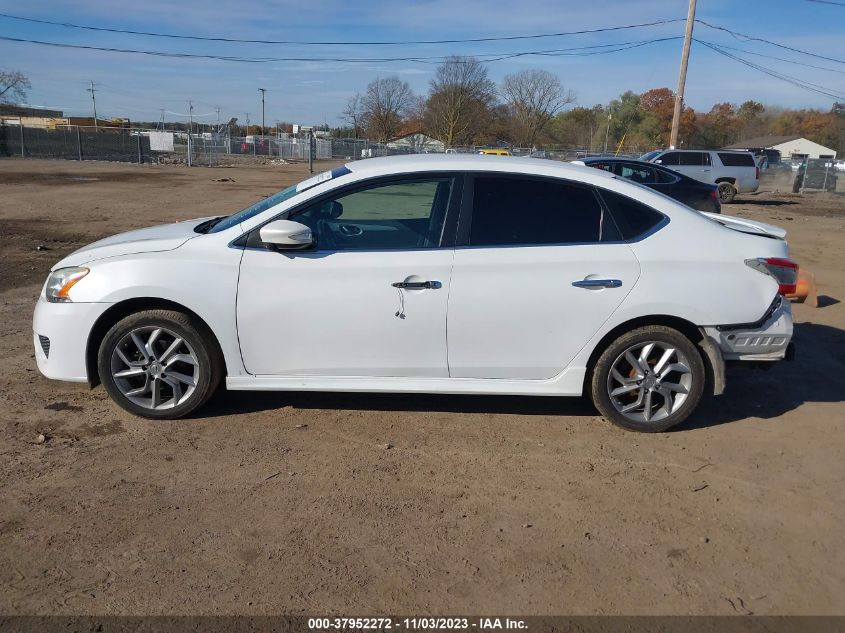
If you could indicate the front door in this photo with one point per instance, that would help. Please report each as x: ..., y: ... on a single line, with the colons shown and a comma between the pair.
x: 336, y: 310
x: 538, y: 277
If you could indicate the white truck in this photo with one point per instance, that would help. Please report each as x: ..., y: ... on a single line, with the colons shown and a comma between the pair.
x: 733, y: 172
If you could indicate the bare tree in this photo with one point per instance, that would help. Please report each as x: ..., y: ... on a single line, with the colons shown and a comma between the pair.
x: 353, y: 113
x: 534, y: 97
x: 459, y: 104
x: 13, y: 86
x: 385, y: 104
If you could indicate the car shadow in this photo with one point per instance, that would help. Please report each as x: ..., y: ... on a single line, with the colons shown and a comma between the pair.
x: 761, y: 203
x: 814, y: 376
x: 238, y: 402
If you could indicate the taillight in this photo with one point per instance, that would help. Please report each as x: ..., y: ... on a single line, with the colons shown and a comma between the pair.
x: 714, y: 194
x: 784, y: 271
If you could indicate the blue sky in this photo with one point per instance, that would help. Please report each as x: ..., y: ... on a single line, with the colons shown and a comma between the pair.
x: 138, y: 86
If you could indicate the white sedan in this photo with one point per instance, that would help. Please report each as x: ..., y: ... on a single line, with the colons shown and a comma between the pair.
x: 428, y: 274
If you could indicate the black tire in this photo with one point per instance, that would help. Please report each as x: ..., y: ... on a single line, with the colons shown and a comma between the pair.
x: 599, y: 380
x: 727, y: 192
x: 194, y: 333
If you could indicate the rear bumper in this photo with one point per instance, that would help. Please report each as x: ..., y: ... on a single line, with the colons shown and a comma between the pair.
x: 767, y: 340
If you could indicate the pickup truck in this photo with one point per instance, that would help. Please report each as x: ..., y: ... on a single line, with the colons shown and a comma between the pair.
x: 733, y: 172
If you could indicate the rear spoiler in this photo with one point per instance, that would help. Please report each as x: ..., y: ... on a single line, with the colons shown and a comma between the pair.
x: 752, y: 227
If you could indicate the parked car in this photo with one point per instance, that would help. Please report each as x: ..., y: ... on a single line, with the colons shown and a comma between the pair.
x: 494, y: 152
x: 691, y: 192
x: 733, y: 172
x: 435, y: 274
x: 816, y: 173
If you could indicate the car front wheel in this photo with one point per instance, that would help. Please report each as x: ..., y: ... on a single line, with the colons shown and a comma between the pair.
x: 648, y: 380
x: 159, y: 364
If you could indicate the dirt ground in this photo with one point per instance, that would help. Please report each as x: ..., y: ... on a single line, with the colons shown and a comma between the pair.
x: 289, y: 503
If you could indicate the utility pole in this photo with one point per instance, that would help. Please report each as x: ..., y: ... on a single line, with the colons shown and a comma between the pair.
x: 92, y: 90
x: 161, y: 122
x: 682, y: 76
x: 191, y: 115
x: 217, y: 110
x: 247, y: 124
x: 607, y: 131
x: 262, y: 91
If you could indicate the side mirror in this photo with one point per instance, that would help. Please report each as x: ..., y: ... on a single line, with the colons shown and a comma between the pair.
x: 286, y: 234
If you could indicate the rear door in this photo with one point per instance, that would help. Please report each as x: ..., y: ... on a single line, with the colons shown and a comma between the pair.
x: 538, y: 269
x: 693, y: 164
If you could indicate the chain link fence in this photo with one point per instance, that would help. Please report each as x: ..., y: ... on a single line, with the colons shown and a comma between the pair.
x: 210, y: 149
x: 75, y: 142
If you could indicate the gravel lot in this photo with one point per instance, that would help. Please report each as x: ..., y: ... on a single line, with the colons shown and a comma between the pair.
x: 290, y: 503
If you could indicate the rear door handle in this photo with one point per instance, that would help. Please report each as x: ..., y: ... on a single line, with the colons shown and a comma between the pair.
x: 597, y: 283
x: 417, y: 285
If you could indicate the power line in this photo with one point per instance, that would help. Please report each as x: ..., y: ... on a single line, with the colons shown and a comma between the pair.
x: 340, y: 43
x: 781, y: 59
x: 822, y: 90
x: 836, y: 4
x: 484, y: 57
x: 751, y: 38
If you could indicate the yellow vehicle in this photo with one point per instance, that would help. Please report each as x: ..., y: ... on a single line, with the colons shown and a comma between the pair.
x: 494, y: 152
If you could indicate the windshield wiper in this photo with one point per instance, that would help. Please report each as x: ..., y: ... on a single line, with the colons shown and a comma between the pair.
x: 205, y: 227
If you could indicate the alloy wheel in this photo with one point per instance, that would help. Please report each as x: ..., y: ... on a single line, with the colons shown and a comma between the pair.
x: 649, y: 381
x: 154, y: 368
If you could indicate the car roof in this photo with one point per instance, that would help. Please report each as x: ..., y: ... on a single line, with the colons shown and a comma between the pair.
x: 720, y: 151
x: 412, y: 163
x: 613, y: 159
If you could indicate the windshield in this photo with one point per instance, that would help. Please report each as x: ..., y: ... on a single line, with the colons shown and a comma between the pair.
x: 648, y: 156
x: 255, y: 209
x: 277, y: 198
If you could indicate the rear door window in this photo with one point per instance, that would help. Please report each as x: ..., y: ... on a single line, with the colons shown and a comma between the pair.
x: 513, y: 211
x: 642, y: 174
x: 666, y: 176
x: 693, y: 159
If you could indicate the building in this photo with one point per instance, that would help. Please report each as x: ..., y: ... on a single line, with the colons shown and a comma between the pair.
x: 417, y: 142
x: 30, y: 117
x: 790, y: 147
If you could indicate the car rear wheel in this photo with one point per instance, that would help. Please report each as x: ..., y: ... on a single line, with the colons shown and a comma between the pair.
x: 727, y: 192
x: 648, y: 380
x: 159, y: 364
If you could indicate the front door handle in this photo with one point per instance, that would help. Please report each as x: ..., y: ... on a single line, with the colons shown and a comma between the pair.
x: 597, y: 283
x: 417, y: 285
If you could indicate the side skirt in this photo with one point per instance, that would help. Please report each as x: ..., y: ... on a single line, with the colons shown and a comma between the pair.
x: 568, y: 383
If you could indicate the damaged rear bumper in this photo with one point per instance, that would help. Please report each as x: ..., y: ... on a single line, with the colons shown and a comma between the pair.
x: 769, y: 339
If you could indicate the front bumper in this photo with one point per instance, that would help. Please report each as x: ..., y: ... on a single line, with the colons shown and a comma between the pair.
x: 767, y: 340
x: 60, y: 336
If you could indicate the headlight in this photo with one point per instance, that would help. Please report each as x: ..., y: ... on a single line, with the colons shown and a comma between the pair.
x: 61, y: 281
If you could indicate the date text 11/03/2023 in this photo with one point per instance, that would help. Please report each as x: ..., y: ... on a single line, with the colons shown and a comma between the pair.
x: 416, y: 623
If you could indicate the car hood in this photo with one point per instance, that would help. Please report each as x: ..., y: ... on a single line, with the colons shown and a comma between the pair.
x: 150, y: 240
x: 744, y: 225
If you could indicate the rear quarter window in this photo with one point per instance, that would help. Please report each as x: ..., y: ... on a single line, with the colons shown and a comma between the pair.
x: 730, y: 159
x: 633, y: 218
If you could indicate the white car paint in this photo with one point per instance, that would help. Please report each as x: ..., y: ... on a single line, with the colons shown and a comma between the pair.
x: 504, y: 320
